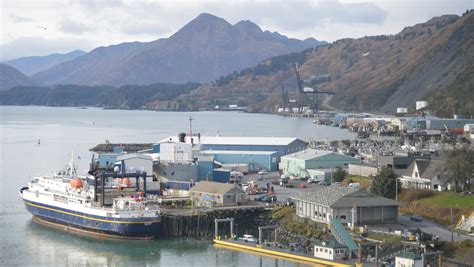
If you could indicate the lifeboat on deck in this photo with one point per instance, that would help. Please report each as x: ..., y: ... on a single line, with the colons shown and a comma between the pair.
x: 76, y: 183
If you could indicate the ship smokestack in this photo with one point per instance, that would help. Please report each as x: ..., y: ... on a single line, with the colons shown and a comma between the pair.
x: 182, y: 137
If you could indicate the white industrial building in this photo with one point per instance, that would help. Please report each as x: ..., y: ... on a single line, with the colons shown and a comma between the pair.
x: 408, y: 259
x: 342, y: 203
x: 171, y: 151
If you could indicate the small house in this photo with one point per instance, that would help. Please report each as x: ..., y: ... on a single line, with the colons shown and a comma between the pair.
x: 408, y: 259
x: 425, y: 174
x: 330, y: 250
x: 209, y: 194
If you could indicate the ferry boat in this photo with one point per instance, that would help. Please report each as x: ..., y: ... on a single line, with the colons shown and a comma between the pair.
x: 106, y: 204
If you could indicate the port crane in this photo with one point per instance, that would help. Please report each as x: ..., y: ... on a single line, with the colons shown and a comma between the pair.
x: 308, y: 95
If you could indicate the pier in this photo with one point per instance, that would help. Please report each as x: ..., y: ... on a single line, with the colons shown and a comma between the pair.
x: 275, y: 252
x: 265, y: 248
x: 200, y: 223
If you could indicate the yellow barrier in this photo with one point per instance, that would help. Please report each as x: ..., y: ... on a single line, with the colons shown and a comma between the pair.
x: 283, y: 255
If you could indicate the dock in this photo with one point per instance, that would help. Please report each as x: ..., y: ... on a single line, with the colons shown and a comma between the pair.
x: 275, y: 252
x: 200, y: 223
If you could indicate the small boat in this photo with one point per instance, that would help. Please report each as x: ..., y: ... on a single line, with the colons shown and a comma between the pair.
x: 248, y: 238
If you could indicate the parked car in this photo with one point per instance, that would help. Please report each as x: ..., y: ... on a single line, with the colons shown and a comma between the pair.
x: 312, y: 180
x: 284, y: 180
x: 290, y: 202
x: 416, y: 218
x: 354, y: 185
x: 263, y: 172
x: 270, y: 199
x: 260, y: 198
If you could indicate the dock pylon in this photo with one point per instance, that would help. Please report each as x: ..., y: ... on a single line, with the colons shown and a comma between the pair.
x: 216, y: 226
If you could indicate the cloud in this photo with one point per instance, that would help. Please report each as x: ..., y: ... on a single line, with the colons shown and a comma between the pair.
x: 72, y: 27
x: 145, y: 27
x: 32, y: 46
x: 96, y: 6
x: 19, y: 19
x: 301, y: 15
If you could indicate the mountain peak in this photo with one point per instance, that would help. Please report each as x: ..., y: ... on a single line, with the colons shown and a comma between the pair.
x: 248, y: 26
x: 206, y: 18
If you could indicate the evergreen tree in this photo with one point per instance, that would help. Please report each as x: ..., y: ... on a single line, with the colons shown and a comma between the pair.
x: 339, y: 174
x: 460, y: 167
x: 384, y: 183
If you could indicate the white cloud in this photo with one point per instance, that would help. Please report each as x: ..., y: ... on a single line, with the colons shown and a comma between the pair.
x: 19, y: 19
x: 72, y: 27
x: 32, y: 46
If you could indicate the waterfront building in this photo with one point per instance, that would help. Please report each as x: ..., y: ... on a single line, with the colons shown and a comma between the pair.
x: 135, y: 162
x: 362, y: 169
x: 298, y: 164
x: 408, y: 259
x: 282, y: 145
x: 425, y: 174
x: 210, y: 194
x: 330, y: 250
x: 254, y: 160
x: 342, y: 203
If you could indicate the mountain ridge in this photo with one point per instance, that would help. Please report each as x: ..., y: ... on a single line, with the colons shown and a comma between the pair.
x: 376, y: 73
x: 11, y: 77
x: 202, y: 50
x: 35, y: 64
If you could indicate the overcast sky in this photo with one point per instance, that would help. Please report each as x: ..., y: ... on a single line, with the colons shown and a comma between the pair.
x: 40, y: 27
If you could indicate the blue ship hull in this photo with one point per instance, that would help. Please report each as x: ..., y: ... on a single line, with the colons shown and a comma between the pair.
x: 135, y: 228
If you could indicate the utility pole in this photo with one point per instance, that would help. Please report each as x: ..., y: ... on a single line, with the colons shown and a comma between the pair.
x: 452, y: 234
x: 396, y: 189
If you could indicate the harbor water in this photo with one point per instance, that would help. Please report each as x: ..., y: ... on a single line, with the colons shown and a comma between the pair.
x: 39, y: 140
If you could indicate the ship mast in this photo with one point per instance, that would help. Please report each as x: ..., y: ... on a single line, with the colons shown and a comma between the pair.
x: 71, y: 168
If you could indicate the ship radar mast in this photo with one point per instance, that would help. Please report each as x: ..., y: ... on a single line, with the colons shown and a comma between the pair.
x: 71, y: 169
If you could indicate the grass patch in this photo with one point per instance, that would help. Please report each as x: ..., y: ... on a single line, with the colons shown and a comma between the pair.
x: 364, y: 181
x: 437, y: 206
x: 383, y: 237
x: 448, y: 199
x: 294, y: 224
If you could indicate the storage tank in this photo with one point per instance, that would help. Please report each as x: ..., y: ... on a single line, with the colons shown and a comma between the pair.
x: 401, y: 110
x: 421, y: 104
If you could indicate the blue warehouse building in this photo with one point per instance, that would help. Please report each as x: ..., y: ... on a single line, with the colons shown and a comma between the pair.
x: 281, y: 145
x: 255, y: 160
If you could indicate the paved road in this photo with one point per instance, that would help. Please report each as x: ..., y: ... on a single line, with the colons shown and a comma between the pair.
x: 434, y: 228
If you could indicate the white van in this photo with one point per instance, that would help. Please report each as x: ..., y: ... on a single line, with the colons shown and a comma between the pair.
x: 354, y: 185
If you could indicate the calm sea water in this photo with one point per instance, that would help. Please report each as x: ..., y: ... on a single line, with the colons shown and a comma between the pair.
x: 62, y: 130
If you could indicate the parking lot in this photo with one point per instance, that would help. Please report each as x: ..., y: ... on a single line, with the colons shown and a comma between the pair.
x: 282, y: 192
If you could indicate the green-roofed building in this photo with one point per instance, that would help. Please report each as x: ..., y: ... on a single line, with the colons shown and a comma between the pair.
x: 330, y: 250
x: 298, y: 164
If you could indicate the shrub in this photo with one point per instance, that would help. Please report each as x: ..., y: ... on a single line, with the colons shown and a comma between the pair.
x: 410, y: 195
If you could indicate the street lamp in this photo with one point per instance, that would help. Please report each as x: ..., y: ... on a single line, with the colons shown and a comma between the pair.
x: 396, y: 188
x: 452, y: 228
